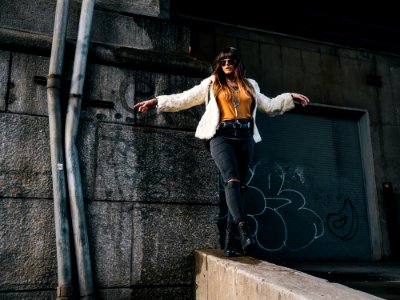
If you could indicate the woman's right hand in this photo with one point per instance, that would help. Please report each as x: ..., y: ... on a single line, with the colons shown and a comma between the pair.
x: 144, y: 106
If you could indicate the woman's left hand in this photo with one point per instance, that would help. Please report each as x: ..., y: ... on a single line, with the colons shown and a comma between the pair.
x: 299, y: 98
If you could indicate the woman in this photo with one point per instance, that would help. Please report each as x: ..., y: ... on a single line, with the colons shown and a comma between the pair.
x: 229, y: 124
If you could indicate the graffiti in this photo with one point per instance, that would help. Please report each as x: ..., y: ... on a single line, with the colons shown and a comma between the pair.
x: 279, y: 215
x: 344, y: 224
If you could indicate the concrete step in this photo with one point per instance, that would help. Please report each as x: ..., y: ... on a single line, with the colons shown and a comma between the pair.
x: 221, y: 278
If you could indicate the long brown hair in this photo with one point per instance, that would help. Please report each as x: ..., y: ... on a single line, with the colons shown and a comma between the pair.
x: 220, y: 83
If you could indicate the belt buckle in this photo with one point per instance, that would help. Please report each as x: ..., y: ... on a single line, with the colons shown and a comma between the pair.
x: 237, y: 125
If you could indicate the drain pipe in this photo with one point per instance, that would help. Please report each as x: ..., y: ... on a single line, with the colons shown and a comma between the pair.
x: 64, y: 273
x: 81, y: 242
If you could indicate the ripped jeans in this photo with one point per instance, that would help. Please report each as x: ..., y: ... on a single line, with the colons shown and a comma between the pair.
x: 232, y: 151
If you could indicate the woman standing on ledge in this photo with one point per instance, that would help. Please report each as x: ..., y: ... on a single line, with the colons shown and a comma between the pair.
x: 229, y: 124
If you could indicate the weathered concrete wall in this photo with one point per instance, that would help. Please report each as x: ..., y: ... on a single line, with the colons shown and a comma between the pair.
x: 125, y: 24
x: 147, y: 189
x: 38, y: 16
x: 146, y: 179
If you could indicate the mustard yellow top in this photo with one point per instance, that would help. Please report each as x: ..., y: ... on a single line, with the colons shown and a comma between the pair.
x: 227, y: 109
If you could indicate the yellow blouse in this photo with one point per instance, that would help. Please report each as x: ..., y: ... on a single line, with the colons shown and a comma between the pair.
x: 227, y: 109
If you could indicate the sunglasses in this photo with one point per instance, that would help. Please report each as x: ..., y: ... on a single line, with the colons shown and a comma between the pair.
x: 230, y: 61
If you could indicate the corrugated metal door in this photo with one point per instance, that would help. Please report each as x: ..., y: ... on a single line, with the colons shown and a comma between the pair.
x: 306, y: 197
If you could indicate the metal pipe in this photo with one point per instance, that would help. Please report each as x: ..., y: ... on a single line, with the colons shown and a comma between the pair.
x: 71, y: 153
x: 64, y: 273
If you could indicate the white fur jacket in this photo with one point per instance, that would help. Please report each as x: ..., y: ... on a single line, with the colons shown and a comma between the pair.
x: 208, y: 124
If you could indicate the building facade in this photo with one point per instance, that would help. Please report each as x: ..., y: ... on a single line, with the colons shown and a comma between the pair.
x: 150, y: 189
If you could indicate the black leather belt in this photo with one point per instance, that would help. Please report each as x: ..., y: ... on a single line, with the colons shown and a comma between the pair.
x: 235, y: 124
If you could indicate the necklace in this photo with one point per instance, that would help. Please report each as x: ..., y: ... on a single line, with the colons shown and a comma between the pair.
x: 235, y: 100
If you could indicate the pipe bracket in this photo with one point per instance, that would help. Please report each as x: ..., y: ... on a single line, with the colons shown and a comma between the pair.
x: 54, y: 81
x: 72, y: 95
x: 64, y: 291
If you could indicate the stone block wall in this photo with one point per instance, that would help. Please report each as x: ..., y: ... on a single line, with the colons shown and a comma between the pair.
x: 148, y: 184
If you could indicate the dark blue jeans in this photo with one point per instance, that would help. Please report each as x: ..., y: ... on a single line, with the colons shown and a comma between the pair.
x: 232, y: 151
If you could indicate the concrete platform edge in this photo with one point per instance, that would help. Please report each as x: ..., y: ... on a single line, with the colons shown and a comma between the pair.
x: 218, y: 277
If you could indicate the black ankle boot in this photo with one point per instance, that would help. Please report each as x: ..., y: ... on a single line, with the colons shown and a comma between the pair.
x: 229, y: 247
x: 246, y: 239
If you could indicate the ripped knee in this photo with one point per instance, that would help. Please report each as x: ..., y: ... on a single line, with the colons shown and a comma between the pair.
x: 232, y: 183
x: 233, y: 179
x: 243, y: 187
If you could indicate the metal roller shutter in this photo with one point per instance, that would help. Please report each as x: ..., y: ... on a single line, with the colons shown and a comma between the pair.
x: 307, y: 197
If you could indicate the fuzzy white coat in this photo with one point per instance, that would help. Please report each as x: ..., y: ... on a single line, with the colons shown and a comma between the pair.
x: 208, y: 124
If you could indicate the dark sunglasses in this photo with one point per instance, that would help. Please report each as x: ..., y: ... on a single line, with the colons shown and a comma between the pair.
x: 230, y: 61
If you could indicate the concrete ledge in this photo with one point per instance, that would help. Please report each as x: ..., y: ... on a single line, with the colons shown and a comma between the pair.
x: 237, y: 278
x: 110, y: 54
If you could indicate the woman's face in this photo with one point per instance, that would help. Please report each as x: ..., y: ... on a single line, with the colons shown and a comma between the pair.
x: 228, y: 65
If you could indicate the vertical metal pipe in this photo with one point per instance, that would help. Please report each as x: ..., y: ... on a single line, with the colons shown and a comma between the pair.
x: 64, y: 273
x: 71, y: 154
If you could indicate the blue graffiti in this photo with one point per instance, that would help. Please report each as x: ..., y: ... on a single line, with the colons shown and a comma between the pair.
x: 295, y: 226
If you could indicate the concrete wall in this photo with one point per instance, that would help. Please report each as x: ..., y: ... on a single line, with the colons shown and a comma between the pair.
x: 146, y: 179
x: 222, y: 278
x: 147, y: 182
